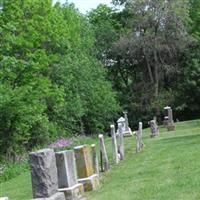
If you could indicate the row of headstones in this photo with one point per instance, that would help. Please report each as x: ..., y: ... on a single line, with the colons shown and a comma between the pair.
x: 54, y: 174
x: 168, y: 123
x: 68, y: 174
x: 118, y: 150
x: 64, y: 175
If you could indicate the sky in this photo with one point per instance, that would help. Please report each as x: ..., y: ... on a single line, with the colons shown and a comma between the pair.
x: 86, y: 5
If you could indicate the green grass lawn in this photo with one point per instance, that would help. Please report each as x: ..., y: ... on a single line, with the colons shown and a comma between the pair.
x: 168, y: 168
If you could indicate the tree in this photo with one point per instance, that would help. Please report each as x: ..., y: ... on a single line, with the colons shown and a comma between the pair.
x: 187, y: 99
x: 147, y: 56
x: 106, y: 27
x: 50, y: 84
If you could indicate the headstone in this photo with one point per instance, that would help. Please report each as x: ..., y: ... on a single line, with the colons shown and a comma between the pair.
x: 125, y: 125
x: 126, y: 122
x: 139, y: 142
x: 67, y: 176
x: 121, y: 143
x: 114, y: 145
x: 44, y: 175
x: 140, y: 130
x: 66, y: 167
x: 84, y: 163
x: 85, y: 169
x: 4, y: 198
x: 104, y: 153
x: 154, y: 128
x: 168, y: 120
x: 95, y: 159
x: 171, y: 125
x: 137, y: 136
x: 165, y: 122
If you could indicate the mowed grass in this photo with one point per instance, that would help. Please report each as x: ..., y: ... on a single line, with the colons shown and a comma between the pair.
x: 168, y: 168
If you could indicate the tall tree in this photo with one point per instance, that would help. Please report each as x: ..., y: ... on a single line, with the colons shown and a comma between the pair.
x: 50, y: 84
x: 147, y: 57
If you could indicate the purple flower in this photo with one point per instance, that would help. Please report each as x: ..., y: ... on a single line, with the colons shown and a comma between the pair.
x: 60, y: 143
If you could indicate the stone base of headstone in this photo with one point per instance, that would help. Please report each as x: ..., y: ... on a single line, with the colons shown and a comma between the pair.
x: 4, y: 198
x: 128, y: 133
x: 90, y: 183
x: 171, y: 127
x: 56, y: 196
x: 73, y: 193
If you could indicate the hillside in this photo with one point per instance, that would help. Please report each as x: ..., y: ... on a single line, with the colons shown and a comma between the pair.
x: 167, y: 168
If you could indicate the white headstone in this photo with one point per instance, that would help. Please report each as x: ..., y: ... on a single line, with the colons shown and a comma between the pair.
x: 66, y: 166
x: 114, y: 145
x: 104, y: 153
x: 121, y: 143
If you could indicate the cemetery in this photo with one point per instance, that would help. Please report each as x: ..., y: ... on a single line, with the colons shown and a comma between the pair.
x: 99, y: 100
x: 83, y: 172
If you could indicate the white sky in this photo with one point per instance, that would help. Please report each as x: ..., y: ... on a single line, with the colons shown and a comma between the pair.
x: 86, y: 5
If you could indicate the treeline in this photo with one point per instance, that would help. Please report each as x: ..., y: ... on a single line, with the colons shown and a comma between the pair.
x: 51, y: 84
x: 58, y: 68
x: 152, y: 52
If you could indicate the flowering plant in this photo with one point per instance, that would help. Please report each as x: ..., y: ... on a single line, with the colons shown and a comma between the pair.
x: 60, y: 143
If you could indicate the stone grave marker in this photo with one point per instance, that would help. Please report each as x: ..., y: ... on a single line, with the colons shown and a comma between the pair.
x: 170, y: 125
x: 154, y: 128
x: 44, y: 175
x: 125, y: 125
x: 121, y: 143
x: 95, y: 159
x: 85, y: 170
x: 4, y: 198
x: 168, y: 120
x: 140, y: 130
x: 139, y: 142
x: 103, y: 151
x: 114, y: 145
x: 67, y: 176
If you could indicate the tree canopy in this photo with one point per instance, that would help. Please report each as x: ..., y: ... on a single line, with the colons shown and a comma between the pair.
x: 50, y: 84
x: 63, y: 73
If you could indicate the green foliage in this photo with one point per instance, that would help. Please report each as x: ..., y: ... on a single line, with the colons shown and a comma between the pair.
x: 50, y: 84
x: 144, y: 52
x: 106, y: 26
x: 187, y: 98
x: 11, y: 171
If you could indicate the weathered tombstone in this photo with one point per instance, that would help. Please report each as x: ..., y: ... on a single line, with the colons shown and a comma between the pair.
x: 121, y: 143
x: 140, y: 130
x: 168, y: 120
x: 44, y: 175
x: 103, y: 151
x: 165, y: 122
x: 170, y: 125
x: 114, y: 145
x: 95, y: 159
x: 154, y: 128
x: 137, y: 137
x: 139, y: 142
x: 125, y: 125
x: 85, y: 170
x: 67, y: 176
x: 4, y: 198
